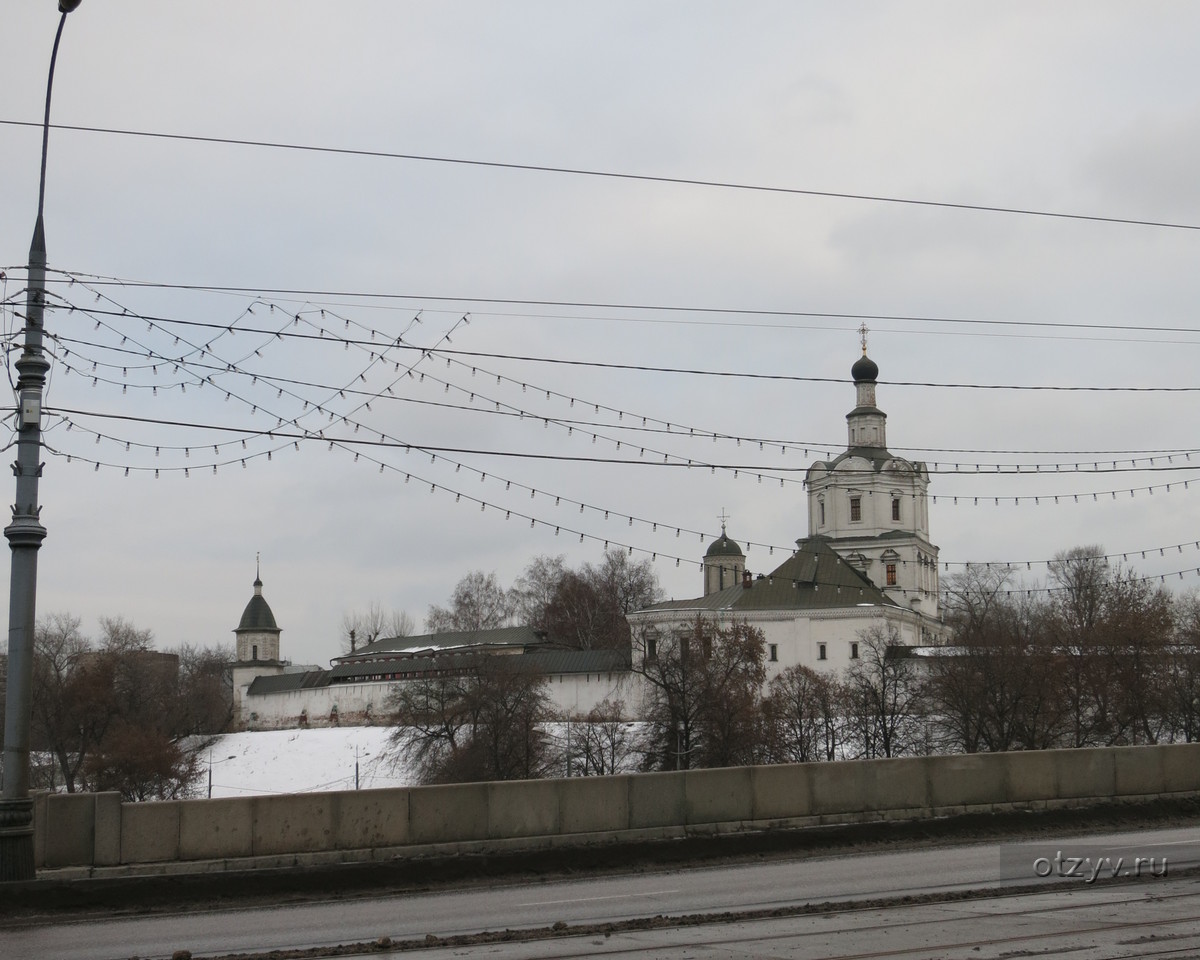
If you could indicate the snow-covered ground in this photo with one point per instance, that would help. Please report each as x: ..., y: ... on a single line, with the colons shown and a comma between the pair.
x: 313, y: 760
x: 300, y: 761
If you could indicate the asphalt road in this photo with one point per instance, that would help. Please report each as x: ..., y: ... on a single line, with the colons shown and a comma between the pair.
x: 1082, y: 922
x: 708, y: 889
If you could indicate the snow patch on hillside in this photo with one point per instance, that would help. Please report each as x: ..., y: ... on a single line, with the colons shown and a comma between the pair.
x: 260, y: 762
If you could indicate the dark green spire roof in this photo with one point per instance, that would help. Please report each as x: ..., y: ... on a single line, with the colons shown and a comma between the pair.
x: 257, y: 615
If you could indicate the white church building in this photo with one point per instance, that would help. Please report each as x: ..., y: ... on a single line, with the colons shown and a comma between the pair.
x: 866, y: 564
x: 867, y: 560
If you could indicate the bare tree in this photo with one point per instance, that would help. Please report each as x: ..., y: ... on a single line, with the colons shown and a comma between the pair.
x: 704, y: 693
x: 374, y: 623
x: 62, y: 720
x: 478, y: 603
x: 512, y: 708
x: 534, y: 589
x: 588, y: 607
x: 1111, y: 632
x: 1080, y: 577
x: 625, y: 583
x: 994, y: 688
x: 601, y: 742
x: 118, y: 635
x: 1181, y: 693
x: 113, y: 713
x: 970, y: 599
x: 584, y: 608
x: 804, y: 713
x: 1139, y: 634
x: 484, y: 721
x: 884, y: 695
x: 204, y: 703
x: 580, y: 615
x: 141, y: 763
x: 432, y: 717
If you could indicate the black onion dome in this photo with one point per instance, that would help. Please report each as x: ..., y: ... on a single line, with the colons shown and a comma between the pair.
x: 864, y: 369
x: 723, y: 547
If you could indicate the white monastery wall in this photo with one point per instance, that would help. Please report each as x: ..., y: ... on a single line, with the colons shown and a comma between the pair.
x: 366, y: 703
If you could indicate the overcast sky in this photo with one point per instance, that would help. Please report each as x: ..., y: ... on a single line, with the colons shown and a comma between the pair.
x: 1086, y: 108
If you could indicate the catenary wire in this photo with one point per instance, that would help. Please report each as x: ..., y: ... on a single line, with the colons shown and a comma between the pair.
x: 935, y: 498
x: 324, y: 294
x: 605, y: 174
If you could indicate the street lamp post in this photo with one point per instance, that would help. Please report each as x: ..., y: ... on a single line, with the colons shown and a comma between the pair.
x: 25, y: 534
x: 232, y: 756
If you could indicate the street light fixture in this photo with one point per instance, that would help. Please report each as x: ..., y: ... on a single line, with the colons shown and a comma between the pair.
x: 25, y: 534
x: 232, y: 756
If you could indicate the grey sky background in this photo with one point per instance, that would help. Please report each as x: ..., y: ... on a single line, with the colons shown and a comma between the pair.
x: 1084, y: 108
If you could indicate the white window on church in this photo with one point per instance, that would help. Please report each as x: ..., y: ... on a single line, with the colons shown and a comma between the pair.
x: 855, y: 509
x: 820, y: 651
x: 821, y: 511
x: 896, y: 508
x: 854, y: 650
x: 891, y: 574
x: 773, y: 652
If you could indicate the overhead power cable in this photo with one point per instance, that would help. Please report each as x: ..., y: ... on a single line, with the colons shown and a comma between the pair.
x: 309, y: 435
x: 770, y: 471
x: 654, y: 555
x: 792, y: 378
x: 393, y: 444
x: 608, y: 175
x: 379, y: 340
x: 646, y: 368
x: 99, y: 280
x: 690, y: 462
x: 344, y: 444
x: 673, y: 429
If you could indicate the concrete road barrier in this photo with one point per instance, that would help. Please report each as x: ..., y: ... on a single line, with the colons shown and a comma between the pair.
x: 99, y: 831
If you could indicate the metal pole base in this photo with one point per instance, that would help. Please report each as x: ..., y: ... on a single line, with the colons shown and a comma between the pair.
x: 16, y: 840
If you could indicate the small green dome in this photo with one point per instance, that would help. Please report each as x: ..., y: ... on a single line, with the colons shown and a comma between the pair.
x: 723, y: 547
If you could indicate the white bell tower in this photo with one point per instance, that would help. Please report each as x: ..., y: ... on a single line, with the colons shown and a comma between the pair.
x: 873, y: 507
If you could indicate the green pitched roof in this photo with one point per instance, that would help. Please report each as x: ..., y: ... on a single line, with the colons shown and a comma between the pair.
x: 814, y: 577
x: 521, y: 636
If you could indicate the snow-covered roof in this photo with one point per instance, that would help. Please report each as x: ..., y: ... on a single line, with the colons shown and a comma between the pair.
x: 390, y: 647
